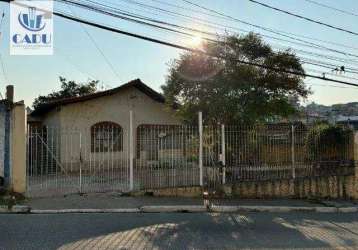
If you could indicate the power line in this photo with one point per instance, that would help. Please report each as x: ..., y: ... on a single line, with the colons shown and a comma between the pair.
x: 331, y: 74
x: 332, y: 8
x: 325, y: 65
x: 97, y: 47
x: 295, y: 40
x: 66, y: 58
x: 181, y: 47
x: 315, y: 46
x: 124, y: 16
x: 103, y: 11
x: 270, y: 29
x: 275, y: 31
x: 156, y: 26
x: 3, y: 69
x: 323, y: 77
x: 341, y: 60
x: 329, y: 86
x: 227, y: 17
x: 303, y: 17
x: 177, y: 46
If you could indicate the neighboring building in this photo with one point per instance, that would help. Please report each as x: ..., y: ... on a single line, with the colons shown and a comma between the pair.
x: 9, y: 122
x: 332, y: 114
x: 351, y: 121
x: 4, y: 126
x: 103, y: 120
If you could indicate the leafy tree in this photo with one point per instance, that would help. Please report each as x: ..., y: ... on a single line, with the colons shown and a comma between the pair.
x: 227, y: 91
x: 68, y: 89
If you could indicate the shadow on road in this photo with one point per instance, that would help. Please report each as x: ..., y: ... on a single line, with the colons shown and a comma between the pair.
x: 178, y: 231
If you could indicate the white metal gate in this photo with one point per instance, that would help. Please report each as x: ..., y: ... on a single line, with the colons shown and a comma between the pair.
x: 107, y: 157
x: 68, y: 160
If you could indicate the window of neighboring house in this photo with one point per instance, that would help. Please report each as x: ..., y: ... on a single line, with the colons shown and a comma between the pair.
x: 106, y: 137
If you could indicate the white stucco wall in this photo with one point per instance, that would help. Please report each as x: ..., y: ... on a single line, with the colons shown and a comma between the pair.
x: 76, y: 117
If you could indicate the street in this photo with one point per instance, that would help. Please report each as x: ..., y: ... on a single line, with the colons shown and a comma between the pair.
x: 180, y: 231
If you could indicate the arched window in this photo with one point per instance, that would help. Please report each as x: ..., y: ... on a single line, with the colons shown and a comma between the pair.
x: 106, y: 137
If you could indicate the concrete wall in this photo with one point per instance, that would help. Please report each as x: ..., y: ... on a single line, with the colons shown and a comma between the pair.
x: 18, y: 148
x: 333, y: 187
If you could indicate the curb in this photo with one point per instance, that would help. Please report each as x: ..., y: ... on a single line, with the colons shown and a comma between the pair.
x: 284, y: 209
x: 348, y: 210
x: 85, y: 211
x: 326, y: 209
x: 181, y: 209
x: 271, y: 209
x: 17, y: 209
x: 174, y: 209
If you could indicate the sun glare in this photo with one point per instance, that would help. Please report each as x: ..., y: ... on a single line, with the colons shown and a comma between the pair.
x: 196, y: 41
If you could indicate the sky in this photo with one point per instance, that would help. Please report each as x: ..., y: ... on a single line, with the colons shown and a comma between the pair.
x: 77, y: 58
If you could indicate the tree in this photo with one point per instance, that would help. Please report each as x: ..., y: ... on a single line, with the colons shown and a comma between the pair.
x: 227, y: 91
x: 68, y: 89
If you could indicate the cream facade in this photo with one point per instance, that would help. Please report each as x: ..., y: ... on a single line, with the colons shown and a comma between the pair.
x: 69, y: 128
x: 114, y: 108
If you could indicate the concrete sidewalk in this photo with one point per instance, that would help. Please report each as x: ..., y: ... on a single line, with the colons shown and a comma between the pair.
x: 107, y: 201
x: 114, y: 202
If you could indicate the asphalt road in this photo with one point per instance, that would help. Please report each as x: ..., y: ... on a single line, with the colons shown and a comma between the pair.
x: 180, y: 231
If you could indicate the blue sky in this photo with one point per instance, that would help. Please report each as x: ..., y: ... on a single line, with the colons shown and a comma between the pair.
x: 75, y: 56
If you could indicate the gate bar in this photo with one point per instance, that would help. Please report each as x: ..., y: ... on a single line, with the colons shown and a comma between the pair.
x: 223, y: 160
x: 201, y: 147
x: 80, y: 162
x: 293, y: 152
x: 131, y: 153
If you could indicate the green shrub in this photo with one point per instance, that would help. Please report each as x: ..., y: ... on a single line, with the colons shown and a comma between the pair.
x: 327, y: 142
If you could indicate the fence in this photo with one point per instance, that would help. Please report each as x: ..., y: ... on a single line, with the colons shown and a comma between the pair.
x: 108, y: 157
x: 61, y: 160
x: 167, y: 156
x: 277, y: 151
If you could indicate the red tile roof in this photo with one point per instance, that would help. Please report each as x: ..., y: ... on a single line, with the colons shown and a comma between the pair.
x: 137, y: 83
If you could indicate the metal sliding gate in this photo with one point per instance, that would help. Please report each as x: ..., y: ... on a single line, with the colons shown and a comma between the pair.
x: 63, y: 161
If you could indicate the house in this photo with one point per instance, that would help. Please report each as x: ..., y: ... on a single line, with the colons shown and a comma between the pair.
x: 350, y: 121
x: 94, y: 129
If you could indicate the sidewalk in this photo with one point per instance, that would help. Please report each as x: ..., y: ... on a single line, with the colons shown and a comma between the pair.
x: 107, y: 201
x: 116, y: 202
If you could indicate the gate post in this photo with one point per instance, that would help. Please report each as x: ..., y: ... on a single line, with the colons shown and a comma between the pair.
x: 131, y: 153
x: 18, y: 148
x: 293, y: 151
x: 80, y: 161
x: 355, y: 157
x: 223, y: 160
x: 201, y: 147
